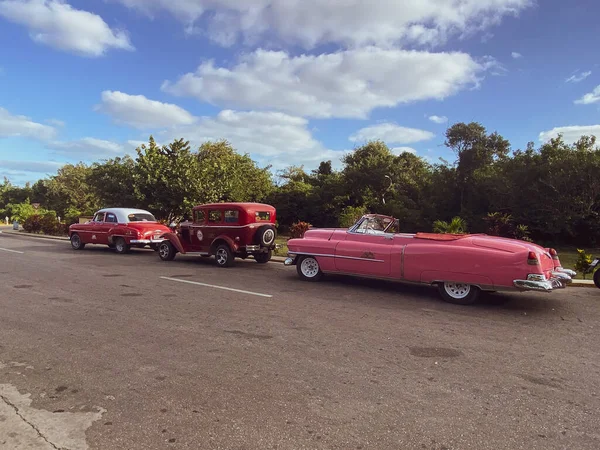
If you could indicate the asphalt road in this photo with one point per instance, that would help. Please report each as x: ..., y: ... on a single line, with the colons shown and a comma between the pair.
x: 101, y: 351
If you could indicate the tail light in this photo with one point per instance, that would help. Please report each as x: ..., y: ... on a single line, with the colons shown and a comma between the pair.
x: 553, y: 253
x: 532, y: 259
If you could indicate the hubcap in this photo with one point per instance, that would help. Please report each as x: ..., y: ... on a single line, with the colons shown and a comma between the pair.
x: 268, y: 237
x: 457, y: 290
x: 309, y: 267
x: 76, y: 241
x: 221, y: 256
x: 164, y: 251
x: 120, y: 246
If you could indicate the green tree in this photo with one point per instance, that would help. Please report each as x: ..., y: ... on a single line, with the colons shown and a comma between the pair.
x: 69, y: 190
x: 167, y: 179
x: 113, y: 181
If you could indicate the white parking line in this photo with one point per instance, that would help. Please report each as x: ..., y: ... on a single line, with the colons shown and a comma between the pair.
x: 9, y: 250
x: 217, y: 287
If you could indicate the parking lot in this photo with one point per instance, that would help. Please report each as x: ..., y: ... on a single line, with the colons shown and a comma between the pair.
x: 107, y: 351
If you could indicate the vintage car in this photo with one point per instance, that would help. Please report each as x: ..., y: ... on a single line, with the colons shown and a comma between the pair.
x: 119, y: 228
x: 225, y: 230
x: 461, y: 266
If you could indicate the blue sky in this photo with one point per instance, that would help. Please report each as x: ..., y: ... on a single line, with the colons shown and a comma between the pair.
x: 288, y: 82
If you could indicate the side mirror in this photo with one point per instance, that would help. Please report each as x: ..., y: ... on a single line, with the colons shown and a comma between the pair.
x: 173, y: 225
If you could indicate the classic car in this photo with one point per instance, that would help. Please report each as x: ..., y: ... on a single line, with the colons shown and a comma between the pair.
x: 119, y: 228
x: 225, y: 230
x: 461, y: 266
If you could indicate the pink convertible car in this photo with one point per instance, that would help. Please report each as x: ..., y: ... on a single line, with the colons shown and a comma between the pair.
x: 460, y: 265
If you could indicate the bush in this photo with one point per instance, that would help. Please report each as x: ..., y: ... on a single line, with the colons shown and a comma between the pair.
x: 298, y: 229
x: 456, y: 226
x: 33, y: 224
x: 503, y: 225
x: 583, y: 262
x: 50, y: 225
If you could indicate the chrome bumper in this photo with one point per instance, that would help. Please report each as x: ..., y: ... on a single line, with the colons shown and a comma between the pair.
x: 146, y: 241
x: 256, y: 248
x: 536, y: 282
x: 288, y: 261
x: 569, y: 272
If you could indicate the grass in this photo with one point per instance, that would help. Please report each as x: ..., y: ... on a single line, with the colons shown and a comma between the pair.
x: 283, y: 250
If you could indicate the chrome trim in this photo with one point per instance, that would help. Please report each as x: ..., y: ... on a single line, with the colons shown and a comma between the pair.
x: 402, y: 262
x: 337, y: 256
x: 529, y: 285
x: 252, y: 248
x: 288, y: 262
x: 563, y: 277
x: 569, y: 272
x: 146, y: 241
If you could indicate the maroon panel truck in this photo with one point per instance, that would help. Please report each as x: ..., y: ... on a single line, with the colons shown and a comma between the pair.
x: 225, y: 230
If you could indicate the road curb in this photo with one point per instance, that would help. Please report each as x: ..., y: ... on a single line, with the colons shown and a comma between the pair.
x: 584, y: 285
x: 33, y: 235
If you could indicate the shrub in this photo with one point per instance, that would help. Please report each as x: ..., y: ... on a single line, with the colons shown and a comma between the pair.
x: 350, y: 215
x: 50, y: 225
x: 298, y: 229
x: 503, y: 225
x: 33, y: 224
x: 456, y: 226
x: 583, y: 262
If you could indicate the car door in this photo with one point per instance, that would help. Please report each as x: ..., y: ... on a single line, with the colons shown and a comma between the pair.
x: 212, y: 228
x: 197, y: 236
x: 365, y: 254
x: 103, y: 228
x: 92, y: 229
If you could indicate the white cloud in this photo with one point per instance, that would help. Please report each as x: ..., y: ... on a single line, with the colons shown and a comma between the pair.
x: 141, y: 112
x: 270, y: 137
x: 347, y: 22
x: 438, y: 119
x: 91, y: 148
x: 516, y: 55
x: 571, y: 134
x: 345, y: 84
x: 590, y: 97
x: 55, y: 122
x: 59, y: 25
x: 577, y: 77
x: 22, y: 126
x: 400, y: 150
x: 18, y: 167
x: 493, y: 66
x: 391, y: 134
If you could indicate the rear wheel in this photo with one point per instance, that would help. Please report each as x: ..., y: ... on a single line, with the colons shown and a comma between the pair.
x: 597, y: 278
x: 76, y: 242
x: 308, y: 268
x: 223, y: 256
x: 263, y: 258
x: 166, y: 251
x: 459, y: 293
x: 121, y: 246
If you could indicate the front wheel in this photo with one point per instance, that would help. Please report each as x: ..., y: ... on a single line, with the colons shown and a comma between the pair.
x: 597, y: 278
x: 263, y: 258
x: 308, y: 268
x: 459, y: 293
x: 166, y: 251
x: 76, y: 242
x: 223, y: 256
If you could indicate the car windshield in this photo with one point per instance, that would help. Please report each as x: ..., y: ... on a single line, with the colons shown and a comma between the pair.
x: 373, y: 225
x: 141, y: 217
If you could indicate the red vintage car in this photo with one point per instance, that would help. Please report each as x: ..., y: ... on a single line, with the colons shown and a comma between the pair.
x: 460, y: 265
x: 225, y: 230
x: 119, y: 228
